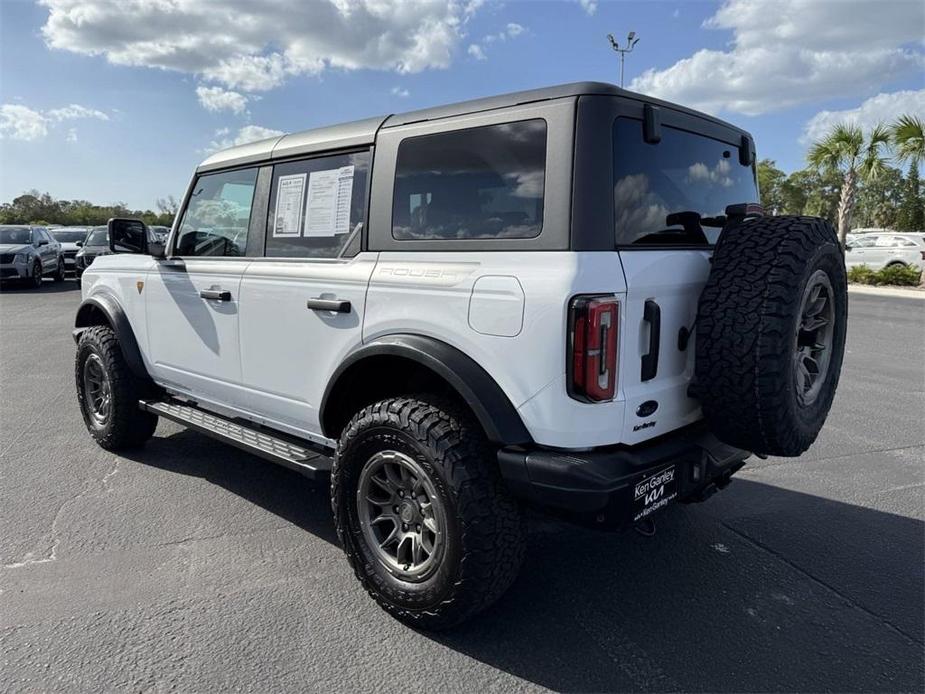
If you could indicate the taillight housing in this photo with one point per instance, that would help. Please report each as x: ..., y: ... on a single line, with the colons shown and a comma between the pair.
x: 593, y: 329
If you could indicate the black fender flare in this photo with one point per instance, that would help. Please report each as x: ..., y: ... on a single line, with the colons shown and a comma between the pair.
x: 489, y: 404
x: 118, y: 321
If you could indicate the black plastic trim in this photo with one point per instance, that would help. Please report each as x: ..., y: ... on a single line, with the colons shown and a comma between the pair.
x: 652, y: 314
x: 596, y: 486
x: 120, y: 325
x: 492, y: 408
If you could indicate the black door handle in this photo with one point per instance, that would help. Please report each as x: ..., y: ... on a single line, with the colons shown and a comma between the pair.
x: 336, y: 305
x: 216, y: 294
x: 652, y: 315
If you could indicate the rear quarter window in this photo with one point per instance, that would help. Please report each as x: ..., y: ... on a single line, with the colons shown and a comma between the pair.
x: 662, y: 191
x: 477, y: 183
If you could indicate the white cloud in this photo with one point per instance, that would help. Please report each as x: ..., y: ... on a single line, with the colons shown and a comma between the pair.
x: 75, y: 111
x: 475, y: 50
x: 249, y: 133
x: 218, y: 99
x: 400, y: 91
x: 883, y: 108
x: 18, y: 122
x: 514, y: 30
x: 589, y: 6
x: 788, y: 52
x: 257, y: 45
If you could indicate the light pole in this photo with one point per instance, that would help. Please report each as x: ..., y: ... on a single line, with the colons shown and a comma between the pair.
x: 631, y: 40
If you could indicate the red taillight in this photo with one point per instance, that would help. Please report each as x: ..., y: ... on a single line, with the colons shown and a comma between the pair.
x: 592, y: 347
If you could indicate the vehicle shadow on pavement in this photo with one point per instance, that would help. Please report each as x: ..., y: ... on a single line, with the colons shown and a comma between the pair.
x: 767, y: 589
x: 759, y: 589
x: 282, y: 492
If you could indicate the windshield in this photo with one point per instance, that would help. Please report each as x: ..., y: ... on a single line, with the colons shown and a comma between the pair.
x: 69, y: 235
x: 15, y: 235
x: 664, y: 192
x: 98, y: 237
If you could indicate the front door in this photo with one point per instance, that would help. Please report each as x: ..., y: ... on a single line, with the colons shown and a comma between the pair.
x: 193, y: 296
x: 302, y: 305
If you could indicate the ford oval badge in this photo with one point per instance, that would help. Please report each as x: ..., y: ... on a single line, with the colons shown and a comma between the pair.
x: 647, y: 408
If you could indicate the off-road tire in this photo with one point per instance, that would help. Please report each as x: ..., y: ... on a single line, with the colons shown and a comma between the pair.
x: 484, y: 543
x: 127, y: 426
x: 747, y: 325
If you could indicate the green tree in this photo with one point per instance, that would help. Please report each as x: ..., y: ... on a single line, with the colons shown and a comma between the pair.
x: 879, y: 200
x: 911, y: 216
x: 855, y: 158
x: 770, y: 184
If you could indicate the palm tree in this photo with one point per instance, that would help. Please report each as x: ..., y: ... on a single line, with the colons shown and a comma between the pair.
x: 908, y: 138
x: 855, y: 158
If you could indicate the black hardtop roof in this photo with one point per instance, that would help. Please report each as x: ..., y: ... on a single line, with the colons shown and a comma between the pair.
x: 363, y: 132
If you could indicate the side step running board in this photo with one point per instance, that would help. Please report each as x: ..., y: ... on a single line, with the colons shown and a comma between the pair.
x: 313, y: 462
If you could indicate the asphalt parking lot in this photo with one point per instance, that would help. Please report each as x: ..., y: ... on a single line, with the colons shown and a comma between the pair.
x: 191, y: 566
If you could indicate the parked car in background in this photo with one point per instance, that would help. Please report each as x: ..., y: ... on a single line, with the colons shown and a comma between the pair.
x: 96, y: 243
x: 71, y: 239
x: 28, y: 254
x: 880, y: 250
x: 160, y: 233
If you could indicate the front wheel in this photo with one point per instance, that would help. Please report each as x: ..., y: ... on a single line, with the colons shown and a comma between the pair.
x: 108, y: 392
x: 36, y: 278
x: 422, y: 513
x: 59, y: 273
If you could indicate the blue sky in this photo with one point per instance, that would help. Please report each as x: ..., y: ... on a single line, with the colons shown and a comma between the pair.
x: 116, y: 101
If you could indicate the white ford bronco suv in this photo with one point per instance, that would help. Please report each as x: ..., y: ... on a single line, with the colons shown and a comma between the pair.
x: 566, y: 298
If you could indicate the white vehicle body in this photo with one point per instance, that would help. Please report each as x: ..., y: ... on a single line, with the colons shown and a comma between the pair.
x: 878, y: 250
x: 263, y: 356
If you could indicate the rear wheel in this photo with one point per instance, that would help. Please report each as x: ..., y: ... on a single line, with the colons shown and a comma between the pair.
x: 421, y: 511
x: 108, y: 392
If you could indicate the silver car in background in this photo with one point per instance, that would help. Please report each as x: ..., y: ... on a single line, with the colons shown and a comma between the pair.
x: 878, y: 250
x: 29, y: 253
x: 71, y: 239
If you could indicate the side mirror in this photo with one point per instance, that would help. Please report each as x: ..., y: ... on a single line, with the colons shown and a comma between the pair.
x: 79, y: 244
x: 127, y: 235
x: 848, y: 247
x: 157, y: 249
x: 42, y: 242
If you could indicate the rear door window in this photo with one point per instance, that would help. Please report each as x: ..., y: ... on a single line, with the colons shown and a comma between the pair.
x: 665, y: 193
x: 477, y: 183
x: 318, y: 206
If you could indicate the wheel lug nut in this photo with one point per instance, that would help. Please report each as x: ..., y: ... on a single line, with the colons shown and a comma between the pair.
x: 418, y: 528
x: 404, y: 526
x: 395, y: 508
x: 401, y: 492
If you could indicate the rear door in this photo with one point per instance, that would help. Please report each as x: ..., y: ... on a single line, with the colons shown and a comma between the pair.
x: 303, y: 303
x: 663, y: 192
x: 193, y: 297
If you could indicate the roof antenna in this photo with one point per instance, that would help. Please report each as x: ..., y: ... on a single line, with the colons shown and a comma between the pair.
x: 631, y: 41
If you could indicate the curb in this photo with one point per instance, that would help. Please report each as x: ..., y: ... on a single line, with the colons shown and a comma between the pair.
x: 903, y: 292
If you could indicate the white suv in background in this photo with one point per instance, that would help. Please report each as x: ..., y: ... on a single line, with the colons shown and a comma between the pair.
x: 878, y: 250
x: 564, y: 297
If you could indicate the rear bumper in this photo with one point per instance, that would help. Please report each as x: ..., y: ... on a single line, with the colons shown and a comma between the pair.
x: 598, y: 486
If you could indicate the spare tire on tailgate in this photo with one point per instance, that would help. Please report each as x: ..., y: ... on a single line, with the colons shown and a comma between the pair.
x: 770, y: 333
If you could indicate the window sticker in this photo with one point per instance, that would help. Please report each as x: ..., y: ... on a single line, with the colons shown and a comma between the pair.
x: 329, y: 196
x: 290, y: 194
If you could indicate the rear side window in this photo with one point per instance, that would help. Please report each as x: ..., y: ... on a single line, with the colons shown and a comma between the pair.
x: 217, y: 215
x: 317, y: 206
x: 477, y: 183
x: 662, y: 192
